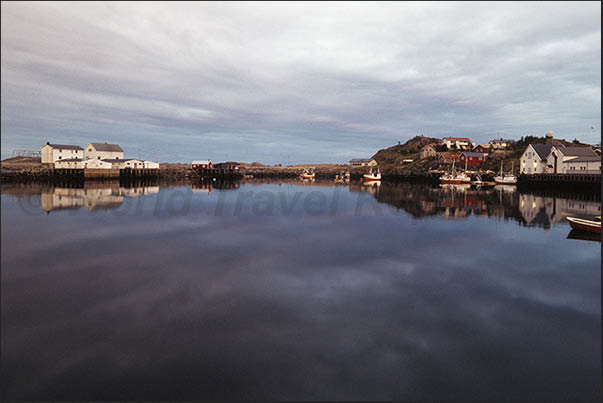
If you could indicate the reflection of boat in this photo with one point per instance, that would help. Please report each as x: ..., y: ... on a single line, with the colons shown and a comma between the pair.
x: 582, y: 224
x: 506, y: 188
x: 372, y: 183
x: 455, y: 178
x: 307, y: 175
x: 372, y: 176
x: 503, y: 179
x: 584, y: 236
x: 461, y: 187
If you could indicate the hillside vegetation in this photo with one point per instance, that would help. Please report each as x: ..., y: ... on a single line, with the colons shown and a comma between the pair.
x: 395, y: 154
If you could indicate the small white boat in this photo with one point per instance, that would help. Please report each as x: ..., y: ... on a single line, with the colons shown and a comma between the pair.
x: 585, y: 225
x: 503, y: 179
x: 372, y: 176
x: 479, y: 182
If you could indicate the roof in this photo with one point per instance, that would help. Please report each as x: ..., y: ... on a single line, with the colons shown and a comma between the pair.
x: 483, y: 145
x: 577, y: 151
x: 469, y: 154
x: 586, y: 158
x: 107, y: 147
x: 119, y: 159
x: 361, y: 160
x: 543, y: 150
x: 457, y: 138
x: 201, y: 162
x: 65, y: 146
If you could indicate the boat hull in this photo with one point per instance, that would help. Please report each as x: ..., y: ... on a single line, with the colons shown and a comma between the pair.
x: 368, y: 178
x: 585, y: 225
x: 455, y: 182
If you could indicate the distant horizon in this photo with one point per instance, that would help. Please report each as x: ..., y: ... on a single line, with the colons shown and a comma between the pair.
x: 293, y: 83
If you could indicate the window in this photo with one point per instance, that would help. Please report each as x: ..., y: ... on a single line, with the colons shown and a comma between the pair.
x: 98, y: 157
x: 60, y: 157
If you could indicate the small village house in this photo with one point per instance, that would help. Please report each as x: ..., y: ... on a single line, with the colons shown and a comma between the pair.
x: 201, y: 164
x: 471, y: 159
x: 103, y: 151
x: 125, y: 163
x: 482, y: 148
x: 362, y: 162
x: 457, y: 143
x: 54, y: 152
x: 502, y: 142
x: 449, y: 157
x: 427, y: 151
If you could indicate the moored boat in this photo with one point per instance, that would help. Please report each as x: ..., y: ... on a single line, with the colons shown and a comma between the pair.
x: 582, y: 224
x: 372, y: 176
x: 455, y: 178
x: 508, y: 179
x: 307, y: 175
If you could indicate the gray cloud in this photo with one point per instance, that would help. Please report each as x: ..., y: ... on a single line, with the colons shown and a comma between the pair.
x: 297, y: 82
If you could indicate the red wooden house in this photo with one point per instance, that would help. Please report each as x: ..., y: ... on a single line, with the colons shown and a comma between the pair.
x: 471, y: 158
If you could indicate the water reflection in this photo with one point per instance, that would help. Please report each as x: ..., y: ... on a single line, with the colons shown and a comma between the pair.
x: 92, y: 195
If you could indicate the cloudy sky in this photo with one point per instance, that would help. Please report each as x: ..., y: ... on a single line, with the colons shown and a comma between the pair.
x: 295, y: 82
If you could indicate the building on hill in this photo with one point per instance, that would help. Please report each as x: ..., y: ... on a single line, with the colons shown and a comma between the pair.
x: 427, y: 151
x: 50, y: 153
x: 449, y: 157
x: 502, y: 142
x: 482, y: 148
x: 458, y: 143
x: 471, y: 159
x: 362, y: 162
x: 103, y: 151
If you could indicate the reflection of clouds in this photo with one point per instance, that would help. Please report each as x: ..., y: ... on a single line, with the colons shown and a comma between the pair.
x: 297, y: 306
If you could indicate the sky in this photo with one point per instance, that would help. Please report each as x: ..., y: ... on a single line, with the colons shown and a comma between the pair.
x: 295, y: 82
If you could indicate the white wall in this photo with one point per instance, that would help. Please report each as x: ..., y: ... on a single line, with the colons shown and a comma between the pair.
x: 50, y: 154
x: 530, y: 162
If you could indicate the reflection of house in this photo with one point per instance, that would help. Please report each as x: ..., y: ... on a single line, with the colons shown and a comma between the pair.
x: 55, y: 152
x: 101, y: 151
x: 543, y: 211
x: 471, y: 159
x: 362, y: 162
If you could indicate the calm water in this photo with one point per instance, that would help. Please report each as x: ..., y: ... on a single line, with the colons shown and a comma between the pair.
x: 297, y: 291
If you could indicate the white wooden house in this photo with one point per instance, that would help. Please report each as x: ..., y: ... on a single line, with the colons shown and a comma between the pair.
x: 102, y: 151
x: 54, y: 152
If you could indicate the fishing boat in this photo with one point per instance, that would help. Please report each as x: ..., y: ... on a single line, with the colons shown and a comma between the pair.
x: 508, y: 179
x: 342, y: 178
x: 455, y: 178
x: 480, y: 183
x: 307, y: 175
x: 582, y: 224
x: 372, y: 176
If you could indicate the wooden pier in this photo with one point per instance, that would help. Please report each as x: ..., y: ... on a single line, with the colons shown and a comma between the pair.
x: 217, y: 173
x: 100, y: 174
x: 594, y: 179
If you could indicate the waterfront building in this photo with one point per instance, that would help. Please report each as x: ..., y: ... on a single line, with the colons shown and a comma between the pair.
x: 228, y: 166
x: 201, y: 164
x: 71, y: 163
x: 534, y: 159
x: 151, y: 164
x: 102, y: 151
x: 97, y: 164
x: 471, y: 158
x: 125, y: 163
x: 362, y: 162
x: 50, y: 153
x: 573, y: 160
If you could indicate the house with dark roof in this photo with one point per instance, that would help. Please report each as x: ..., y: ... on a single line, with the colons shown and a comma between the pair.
x: 56, y: 152
x: 573, y: 160
x: 102, y: 151
x: 534, y: 159
x: 458, y: 143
